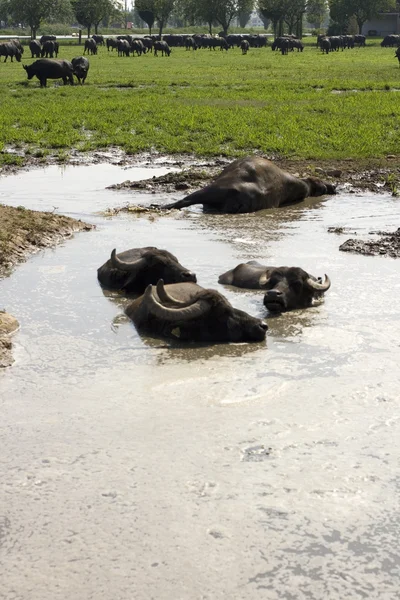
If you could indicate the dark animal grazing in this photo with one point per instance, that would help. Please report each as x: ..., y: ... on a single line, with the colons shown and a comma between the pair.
x: 138, y: 47
x: 286, y: 287
x: 18, y: 45
x: 90, y: 47
x: 253, y: 183
x: 390, y: 41
x: 80, y: 66
x: 148, y: 44
x: 99, y: 39
x: 398, y: 54
x: 10, y: 50
x: 111, y: 43
x: 191, y: 313
x: 244, y: 46
x: 190, y: 43
x: 49, y: 48
x: 161, y: 46
x: 49, y: 68
x: 36, y: 48
x: 134, y: 269
x: 47, y: 38
x: 124, y: 47
x: 325, y: 45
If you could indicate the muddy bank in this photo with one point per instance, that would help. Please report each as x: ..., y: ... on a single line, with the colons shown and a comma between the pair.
x: 24, y: 231
x: 386, y: 245
x: 8, y: 325
x: 376, y: 175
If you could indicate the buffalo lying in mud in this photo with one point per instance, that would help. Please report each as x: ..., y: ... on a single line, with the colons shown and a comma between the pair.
x: 250, y: 184
x: 80, y: 65
x: 191, y: 313
x: 133, y: 270
x: 285, y: 288
x: 50, y: 68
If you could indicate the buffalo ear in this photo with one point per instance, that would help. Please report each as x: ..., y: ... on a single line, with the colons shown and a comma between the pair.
x: 25, y: 67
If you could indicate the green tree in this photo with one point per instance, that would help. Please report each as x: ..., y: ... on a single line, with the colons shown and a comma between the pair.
x: 274, y: 10
x: 365, y: 10
x: 226, y: 10
x: 316, y: 12
x: 294, y: 10
x: 33, y: 12
x: 91, y: 12
x: 155, y: 10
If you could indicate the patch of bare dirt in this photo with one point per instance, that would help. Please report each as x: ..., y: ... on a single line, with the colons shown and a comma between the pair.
x: 386, y: 245
x: 8, y: 324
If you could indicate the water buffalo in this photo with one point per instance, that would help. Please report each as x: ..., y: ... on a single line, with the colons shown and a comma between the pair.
x: 161, y: 46
x: 138, y: 47
x: 36, y: 48
x: 124, y: 47
x: 80, y: 65
x: 398, y: 54
x: 99, y: 39
x: 244, y: 46
x: 49, y: 48
x: 46, y: 38
x: 9, y: 49
x: 135, y: 269
x: 111, y: 43
x: 191, y: 313
x: 49, y: 68
x: 286, y: 287
x: 250, y: 184
x: 90, y: 46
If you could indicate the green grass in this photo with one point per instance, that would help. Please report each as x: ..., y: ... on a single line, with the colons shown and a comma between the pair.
x: 305, y: 105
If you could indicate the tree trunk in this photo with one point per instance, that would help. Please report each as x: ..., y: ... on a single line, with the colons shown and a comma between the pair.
x: 96, y: 27
x: 280, y: 28
x: 360, y: 25
x: 161, y: 25
x: 33, y: 33
x: 210, y: 27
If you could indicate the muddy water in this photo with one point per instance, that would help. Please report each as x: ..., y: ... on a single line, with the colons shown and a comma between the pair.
x: 133, y: 469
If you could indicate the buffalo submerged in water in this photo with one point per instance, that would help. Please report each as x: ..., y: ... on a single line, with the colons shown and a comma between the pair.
x: 286, y: 288
x: 188, y: 312
x: 251, y: 184
x: 133, y: 270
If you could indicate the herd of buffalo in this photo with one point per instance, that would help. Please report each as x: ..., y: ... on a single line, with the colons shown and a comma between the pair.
x: 48, y: 66
x: 169, y: 303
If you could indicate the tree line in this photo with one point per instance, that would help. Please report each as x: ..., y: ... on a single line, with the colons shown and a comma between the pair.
x: 283, y: 15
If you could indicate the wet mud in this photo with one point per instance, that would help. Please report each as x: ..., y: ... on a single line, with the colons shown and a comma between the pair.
x: 8, y: 325
x: 134, y: 468
x: 388, y: 244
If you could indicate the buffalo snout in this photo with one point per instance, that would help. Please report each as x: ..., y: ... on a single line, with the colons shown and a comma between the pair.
x: 189, y: 276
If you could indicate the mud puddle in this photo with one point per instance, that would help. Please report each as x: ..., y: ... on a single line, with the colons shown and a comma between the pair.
x: 134, y: 469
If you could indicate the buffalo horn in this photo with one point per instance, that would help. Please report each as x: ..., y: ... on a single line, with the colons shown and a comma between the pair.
x: 263, y: 279
x: 165, y: 297
x: 199, y: 308
x: 320, y: 287
x: 117, y: 263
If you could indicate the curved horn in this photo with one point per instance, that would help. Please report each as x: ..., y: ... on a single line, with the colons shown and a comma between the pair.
x: 165, y: 297
x: 263, y: 279
x: 320, y: 287
x: 117, y: 263
x: 199, y: 308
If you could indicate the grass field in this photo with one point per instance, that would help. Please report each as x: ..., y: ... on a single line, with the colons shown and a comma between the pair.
x: 304, y: 105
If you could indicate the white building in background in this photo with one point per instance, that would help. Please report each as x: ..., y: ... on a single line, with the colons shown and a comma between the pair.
x: 384, y: 24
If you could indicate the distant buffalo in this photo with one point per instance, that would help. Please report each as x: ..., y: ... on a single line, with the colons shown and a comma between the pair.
x: 80, y: 66
x: 47, y: 38
x: 9, y: 49
x: 111, y: 43
x: 90, y: 47
x: 161, y: 46
x: 49, y: 49
x: 244, y: 46
x: 36, y: 48
x: 99, y: 39
x: 253, y: 183
x: 49, y: 68
x: 286, y: 288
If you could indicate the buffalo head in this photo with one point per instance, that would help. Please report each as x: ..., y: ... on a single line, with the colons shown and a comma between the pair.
x: 291, y: 287
x: 319, y: 188
x: 192, y: 313
x: 133, y: 270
